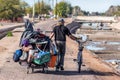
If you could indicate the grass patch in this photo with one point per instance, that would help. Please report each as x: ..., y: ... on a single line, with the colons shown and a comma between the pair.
x: 9, y: 34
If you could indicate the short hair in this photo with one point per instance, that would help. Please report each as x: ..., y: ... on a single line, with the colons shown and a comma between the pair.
x: 61, y: 20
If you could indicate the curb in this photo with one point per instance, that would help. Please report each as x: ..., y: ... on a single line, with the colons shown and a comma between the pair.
x: 4, y: 31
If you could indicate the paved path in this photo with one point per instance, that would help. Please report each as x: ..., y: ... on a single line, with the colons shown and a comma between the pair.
x: 10, y: 70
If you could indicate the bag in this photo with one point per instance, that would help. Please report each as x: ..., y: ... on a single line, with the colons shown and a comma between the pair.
x: 42, y: 57
x: 54, y: 49
x: 52, y: 62
x: 24, y: 56
x: 17, y: 54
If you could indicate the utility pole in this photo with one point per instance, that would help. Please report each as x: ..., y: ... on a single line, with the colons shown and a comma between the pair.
x: 56, y: 10
x: 39, y: 10
x: 39, y: 7
x: 33, y: 10
x: 53, y: 3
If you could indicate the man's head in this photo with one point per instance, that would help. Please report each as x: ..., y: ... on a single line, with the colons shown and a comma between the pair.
x: 61, y: 22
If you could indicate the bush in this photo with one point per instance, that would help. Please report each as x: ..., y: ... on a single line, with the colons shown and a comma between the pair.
x: 9, y: 34
x: 47, y: 17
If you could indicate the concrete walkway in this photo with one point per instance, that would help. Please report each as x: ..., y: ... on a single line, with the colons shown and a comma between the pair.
x: 10, y: 70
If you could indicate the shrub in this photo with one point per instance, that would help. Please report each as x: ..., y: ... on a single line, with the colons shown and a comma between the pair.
x: 9, y: 34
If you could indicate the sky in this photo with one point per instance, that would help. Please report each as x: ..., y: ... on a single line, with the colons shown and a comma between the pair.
x: 87, y: 5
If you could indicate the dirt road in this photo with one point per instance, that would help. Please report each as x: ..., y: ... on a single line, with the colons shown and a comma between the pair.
x: 10, y: 70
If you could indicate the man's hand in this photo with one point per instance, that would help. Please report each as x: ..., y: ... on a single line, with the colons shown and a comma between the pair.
x: 80, y: 38
x: 51, y: 36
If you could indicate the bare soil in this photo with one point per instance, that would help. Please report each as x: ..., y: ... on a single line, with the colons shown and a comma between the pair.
x: 2, y: 49
x: 94, y: 69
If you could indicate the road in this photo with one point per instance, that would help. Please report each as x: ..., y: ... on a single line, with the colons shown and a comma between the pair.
x: 10, y: 70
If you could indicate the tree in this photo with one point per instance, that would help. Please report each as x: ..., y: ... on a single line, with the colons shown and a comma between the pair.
x: 29, y: 10
x: 86, y: 13
x: 69, y: 9
x: 77, y: 11
x: 62, y: 9
x: 10, y: 9
x: 113, y: 10
x: 42, y: 8
x: 117, y: 13
x: 24, y: 6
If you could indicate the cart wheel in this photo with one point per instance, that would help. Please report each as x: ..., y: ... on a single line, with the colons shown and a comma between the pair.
x: 32, y: 70
x: 79, y: 62
x: 79, y: 67
x: 46, y: 70
x: 27, y: 70
x: 43, y: 70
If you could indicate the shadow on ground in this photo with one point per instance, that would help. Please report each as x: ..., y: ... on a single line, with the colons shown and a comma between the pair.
x: 69, y: 73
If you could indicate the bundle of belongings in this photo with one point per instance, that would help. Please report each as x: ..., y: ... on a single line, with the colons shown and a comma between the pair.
x: 36, y: 48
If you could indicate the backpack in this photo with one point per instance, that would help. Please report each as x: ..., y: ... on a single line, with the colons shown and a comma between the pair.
x: 17, y: 54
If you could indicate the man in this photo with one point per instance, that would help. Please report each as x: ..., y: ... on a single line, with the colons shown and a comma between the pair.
x: 59, y: 33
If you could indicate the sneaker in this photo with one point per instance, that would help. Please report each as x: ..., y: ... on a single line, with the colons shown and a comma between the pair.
x: 62, y: 68
x: 20, y: 62
x: 57, y: 69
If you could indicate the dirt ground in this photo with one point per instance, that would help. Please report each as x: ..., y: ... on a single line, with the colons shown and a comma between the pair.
x: 101, y: 70
x: 2, y: 49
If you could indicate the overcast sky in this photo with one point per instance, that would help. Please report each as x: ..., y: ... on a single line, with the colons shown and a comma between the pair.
x: 87, y: 5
